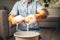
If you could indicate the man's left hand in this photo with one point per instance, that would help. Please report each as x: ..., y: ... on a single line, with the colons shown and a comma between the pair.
x: 30, y: 19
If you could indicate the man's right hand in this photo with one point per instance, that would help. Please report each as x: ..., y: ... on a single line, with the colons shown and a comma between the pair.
x: 16, y: 19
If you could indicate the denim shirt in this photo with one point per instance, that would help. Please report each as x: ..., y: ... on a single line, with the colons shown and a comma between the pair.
x: 25, y: 9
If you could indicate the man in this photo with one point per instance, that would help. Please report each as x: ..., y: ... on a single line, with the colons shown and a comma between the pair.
x: 27, y: 11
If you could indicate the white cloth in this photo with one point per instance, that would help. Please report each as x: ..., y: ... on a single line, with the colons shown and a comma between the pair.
x: 32, y: 19
x: 19, y: 18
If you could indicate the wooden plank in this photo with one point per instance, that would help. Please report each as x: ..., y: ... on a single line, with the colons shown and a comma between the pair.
x: 50, y: 34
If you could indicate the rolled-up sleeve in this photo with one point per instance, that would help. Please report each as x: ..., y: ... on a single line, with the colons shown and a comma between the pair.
x: 14, y: 10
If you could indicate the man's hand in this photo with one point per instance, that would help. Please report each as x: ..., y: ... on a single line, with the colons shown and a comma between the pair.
x: 19, y: 19
x: 30, y: 19
x: 44, y: 13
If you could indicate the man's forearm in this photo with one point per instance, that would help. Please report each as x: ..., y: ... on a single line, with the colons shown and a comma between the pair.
x: 11, y: 19
x: 41, y: 15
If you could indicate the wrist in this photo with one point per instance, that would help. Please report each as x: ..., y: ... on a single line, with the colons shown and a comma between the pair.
x: 37, y: 16
x: 11, y: 19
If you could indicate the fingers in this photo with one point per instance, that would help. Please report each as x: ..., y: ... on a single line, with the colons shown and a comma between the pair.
x: 30, y: 19
x: 23, y: 22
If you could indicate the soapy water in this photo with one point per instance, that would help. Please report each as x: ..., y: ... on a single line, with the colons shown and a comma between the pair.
x: 27, y: 27
x: 34, y: 24
x: 26, y: 24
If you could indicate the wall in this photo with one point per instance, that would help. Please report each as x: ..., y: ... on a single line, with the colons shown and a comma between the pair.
x: 7, y: 3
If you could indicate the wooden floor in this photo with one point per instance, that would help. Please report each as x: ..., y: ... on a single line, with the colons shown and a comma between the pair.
x: 50, y: 34
x: 12, y: 38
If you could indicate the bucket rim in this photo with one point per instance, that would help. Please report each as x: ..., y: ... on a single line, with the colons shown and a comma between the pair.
x: 37, y: 34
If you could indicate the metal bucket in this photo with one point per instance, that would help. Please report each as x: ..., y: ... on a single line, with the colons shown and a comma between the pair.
x: 26, y: 35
